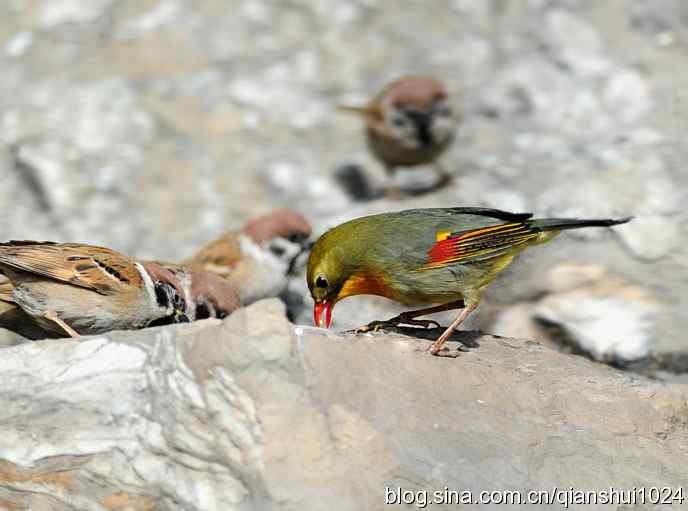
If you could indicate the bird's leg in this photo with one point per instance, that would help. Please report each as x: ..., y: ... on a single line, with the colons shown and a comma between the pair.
x: 52, y: 316
x: 408, y: 318
x: 444, y: 177
x: 436, y: 346
x: 392, y: 190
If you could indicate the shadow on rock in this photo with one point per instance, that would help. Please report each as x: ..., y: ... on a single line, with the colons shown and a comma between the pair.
x: 466, y: 339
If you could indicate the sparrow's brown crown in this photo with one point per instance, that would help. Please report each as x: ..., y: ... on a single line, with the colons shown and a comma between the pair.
x: 418, y: 92
x: 283, y: 223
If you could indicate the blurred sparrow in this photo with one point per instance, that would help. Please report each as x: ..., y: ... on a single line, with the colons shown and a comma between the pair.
x: 411, y: 122
x: 258, y: 259
x: 213, y: 296
x: 206, y: 295
x: 70, y: 288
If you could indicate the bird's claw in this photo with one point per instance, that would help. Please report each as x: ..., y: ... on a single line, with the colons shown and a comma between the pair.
x: 445, y: 353
x: 376, y: 326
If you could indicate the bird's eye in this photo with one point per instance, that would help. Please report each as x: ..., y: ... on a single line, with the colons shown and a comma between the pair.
x: 178, y: 301
x: 443, y: 111
x: 277, y: 250
x: 398, y: 121
x: 297, y: 237
x: 321, y: 282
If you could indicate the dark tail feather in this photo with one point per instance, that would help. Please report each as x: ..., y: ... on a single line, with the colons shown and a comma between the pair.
x: 561, y: 224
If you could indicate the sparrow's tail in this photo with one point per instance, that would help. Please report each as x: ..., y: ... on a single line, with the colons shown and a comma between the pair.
x: 364, y: 110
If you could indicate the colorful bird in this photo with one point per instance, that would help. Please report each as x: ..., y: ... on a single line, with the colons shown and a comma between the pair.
x: 442, y: 256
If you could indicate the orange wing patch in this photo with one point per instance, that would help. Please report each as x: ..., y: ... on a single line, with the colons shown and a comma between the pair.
x: 477, y: 244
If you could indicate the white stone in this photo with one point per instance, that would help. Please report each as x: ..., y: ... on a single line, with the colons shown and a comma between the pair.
x: 609, y: 328
x: 650, y: 237
x: 627, y: 96
x: 19, y: 43
x: 56, y: 12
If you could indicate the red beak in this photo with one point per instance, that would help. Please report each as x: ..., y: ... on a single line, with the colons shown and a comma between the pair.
x: 318, y: 310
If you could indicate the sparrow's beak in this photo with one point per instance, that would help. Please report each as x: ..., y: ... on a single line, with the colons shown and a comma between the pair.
x: 318, y: 310
x: 422, y: 120
x: 179, y: 316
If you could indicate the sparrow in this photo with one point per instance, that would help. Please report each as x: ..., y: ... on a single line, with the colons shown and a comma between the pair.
x: 206, y: 295
x: 257, y: 259
x: 442, y: 256
x: 213, y: 296
x: 411, y: 122
x: 74, y: 289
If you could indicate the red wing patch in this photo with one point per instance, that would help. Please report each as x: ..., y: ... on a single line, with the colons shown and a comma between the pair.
x: 477, y: 244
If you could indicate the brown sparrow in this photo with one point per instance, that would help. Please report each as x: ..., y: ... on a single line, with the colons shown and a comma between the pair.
x: 206, y: 295
x: 214, y: 297
x: 70, y: 288
x: 411, y: 122
x: 258, y: 259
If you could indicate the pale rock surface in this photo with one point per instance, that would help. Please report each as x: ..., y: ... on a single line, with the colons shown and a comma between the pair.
x: 253, y: 413
x: 595, y: 311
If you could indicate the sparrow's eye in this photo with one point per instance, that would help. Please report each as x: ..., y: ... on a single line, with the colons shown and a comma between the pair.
x: 297, y: 237
x: 442, y: 107
x: 178, y: 301
x: 443, y: 111
x: 399, y: 121
x: 277, y: 250
x: 321, y: 282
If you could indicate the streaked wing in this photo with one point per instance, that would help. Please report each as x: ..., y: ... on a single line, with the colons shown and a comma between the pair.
x: 96, y: 268
x: 225, y: 252
x: 6, y: 289
x: 478, y: 244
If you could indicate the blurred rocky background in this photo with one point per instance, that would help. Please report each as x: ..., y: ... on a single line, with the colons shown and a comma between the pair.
x: 151, y: 126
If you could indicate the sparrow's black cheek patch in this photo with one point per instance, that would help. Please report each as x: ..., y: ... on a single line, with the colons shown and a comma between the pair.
x: 166, y: 320
x: 161, y: 295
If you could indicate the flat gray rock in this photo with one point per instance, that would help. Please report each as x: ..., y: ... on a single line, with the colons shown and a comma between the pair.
x: 253, y: 413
